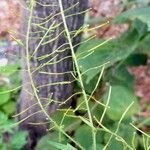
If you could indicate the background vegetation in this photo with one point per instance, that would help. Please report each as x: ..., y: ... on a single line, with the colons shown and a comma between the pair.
x: 117, y: 113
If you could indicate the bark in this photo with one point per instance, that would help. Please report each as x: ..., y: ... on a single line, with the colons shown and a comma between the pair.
x: 58, y: 92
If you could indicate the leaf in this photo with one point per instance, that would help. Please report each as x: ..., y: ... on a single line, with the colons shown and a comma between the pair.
x: 125, y: 131
x: 144, y: 45
x: 9, y: 108
x: 142, y: 14
x: 109, y: 53
x: 120, y: 76
x: 2, y: 144
x: 18, y: 140
x: 15, y: 80
x: 3, y: 118
x: 98, y: 111
x: 3, y: 147
x: 142, y: 122
x: 61, y: 146
x: 98, y: 147
x: 68, y: 122
x: 4, y: 97
x: 9, y: 69
x: 81, y: 105
x: 89, y: 84
x: 83, y: 135
x: 8, y: 126
x: 120, y: 99
x: 50, y: 137
x: 87, y: 122
x: 136, y: 59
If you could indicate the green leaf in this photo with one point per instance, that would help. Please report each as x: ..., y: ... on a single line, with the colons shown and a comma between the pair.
x: 9, y: 69
x: 15, y: 80
x: 136, y: 59
x: 110, y: 52
x: 120, y: 99
x: 89, y: 84
x: 144, y: 45
x: 4, y: 97
x: 142, y: 14
x: 9, y: 108
x: 81, y: 104
x: 18, y: 140
x: 120, y: 76
x: 68, y: 122
x: 83, y: 135
x: 2, y: 144
x: 98, y: 111
x: 126, y: 132
x: 8, y: 126
x: 3, y: 118
x: 62, y: 146
x: 51, y: 137
x: 5, y: 124
x: 3, y: 147
x: 142, y: 122
x: 98, y: 147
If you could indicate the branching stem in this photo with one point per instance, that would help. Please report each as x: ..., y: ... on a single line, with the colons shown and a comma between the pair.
x: 78, y: 72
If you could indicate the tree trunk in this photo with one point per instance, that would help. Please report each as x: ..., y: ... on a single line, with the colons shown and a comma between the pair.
x: 47, y: 73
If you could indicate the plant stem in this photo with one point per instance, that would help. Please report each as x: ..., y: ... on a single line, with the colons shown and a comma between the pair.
x: 32, y: 82
x: 78, y: 72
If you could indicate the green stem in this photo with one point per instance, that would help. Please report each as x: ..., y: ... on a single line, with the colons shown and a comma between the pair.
x: 32, y: 82
x: 78, y: 72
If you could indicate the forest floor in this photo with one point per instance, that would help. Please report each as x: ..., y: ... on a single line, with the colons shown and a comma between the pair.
x: 9, y: 20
